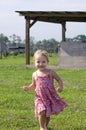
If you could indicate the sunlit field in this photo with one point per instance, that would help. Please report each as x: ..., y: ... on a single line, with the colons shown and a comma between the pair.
x: 17, y: 106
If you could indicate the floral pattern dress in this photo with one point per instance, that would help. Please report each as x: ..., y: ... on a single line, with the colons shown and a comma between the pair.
x: 46, y: 97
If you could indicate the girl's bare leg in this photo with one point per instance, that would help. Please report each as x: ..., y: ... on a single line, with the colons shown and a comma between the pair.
x: 47, y: 122
x: 42, y: 120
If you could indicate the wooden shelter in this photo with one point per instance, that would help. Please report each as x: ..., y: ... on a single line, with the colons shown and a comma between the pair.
x: 58, y: 17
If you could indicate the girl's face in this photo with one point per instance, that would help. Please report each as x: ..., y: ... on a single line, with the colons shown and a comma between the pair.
x: 40, y: 62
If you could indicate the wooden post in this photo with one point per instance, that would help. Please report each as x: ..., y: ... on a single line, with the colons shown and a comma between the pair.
x: 63, y: 31
x: 27, y: 40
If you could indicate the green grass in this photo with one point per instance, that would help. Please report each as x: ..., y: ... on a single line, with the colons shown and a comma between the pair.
x: 17, y: 106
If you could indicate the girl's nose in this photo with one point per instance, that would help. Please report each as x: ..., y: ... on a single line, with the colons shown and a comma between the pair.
x: 40, y: 63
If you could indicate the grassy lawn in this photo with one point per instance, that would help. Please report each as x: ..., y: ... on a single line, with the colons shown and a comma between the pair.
x: 17, y: 106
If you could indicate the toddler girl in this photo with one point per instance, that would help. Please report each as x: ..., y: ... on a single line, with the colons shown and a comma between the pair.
x: 47, y: 101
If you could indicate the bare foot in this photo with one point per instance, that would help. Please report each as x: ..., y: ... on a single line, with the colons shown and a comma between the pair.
x: 42, y: 129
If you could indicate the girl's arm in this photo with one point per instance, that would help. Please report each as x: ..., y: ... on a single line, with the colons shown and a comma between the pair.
x: 31, y: 86
x: 58, y: 79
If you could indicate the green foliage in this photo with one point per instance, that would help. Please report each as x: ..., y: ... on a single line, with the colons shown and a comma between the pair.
x: 15, y: 45
x: 78, y: 38
x: 17, y: 106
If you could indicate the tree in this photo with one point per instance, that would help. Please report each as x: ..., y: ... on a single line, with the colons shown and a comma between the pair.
x: 32, y: 43
x: 80, y: 38
x: 3, y: 45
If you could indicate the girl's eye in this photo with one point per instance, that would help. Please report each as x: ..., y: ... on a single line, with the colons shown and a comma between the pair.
x: 43, y: 61
x: 38, y: 61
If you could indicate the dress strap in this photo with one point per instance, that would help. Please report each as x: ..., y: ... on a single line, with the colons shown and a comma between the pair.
x: 49, y: 73
x: 36, y: 74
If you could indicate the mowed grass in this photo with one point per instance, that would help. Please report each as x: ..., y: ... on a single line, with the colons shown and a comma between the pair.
x: 17, y: 106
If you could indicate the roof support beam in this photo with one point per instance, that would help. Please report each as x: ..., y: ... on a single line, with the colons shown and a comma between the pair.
x: 63, y: 31
x: 33, y: 22
x: 27, y: 40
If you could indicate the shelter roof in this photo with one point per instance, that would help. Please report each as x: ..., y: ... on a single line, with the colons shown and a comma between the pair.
x: 55, y: 16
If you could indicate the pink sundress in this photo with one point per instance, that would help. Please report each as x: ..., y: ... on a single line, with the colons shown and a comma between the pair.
x: 46, y: 97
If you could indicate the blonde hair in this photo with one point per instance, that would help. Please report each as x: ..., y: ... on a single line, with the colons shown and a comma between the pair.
x: 42, y: 53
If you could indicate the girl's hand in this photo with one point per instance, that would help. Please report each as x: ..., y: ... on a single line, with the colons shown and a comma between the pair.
x: 25, y: 88
x: 60, y: 89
